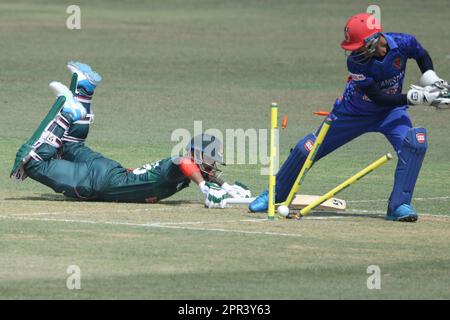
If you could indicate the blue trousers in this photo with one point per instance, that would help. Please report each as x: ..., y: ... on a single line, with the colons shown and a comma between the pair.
x: 393, y: 125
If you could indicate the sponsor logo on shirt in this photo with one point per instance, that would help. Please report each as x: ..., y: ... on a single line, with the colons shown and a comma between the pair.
x: 392, y: 81
x: 420, y: 137
x: 357, y: 77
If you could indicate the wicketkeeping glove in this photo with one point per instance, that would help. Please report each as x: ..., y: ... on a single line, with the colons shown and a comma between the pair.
x: 430, y: 78
x: 429, y: 95
x: 215, y: 195
x: 238, y: 190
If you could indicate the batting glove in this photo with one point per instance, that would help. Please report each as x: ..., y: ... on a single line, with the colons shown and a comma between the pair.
x: 215, y: 195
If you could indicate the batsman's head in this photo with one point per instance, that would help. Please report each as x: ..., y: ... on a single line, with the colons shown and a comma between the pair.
x: 364, y: 38
x: 207, y: 152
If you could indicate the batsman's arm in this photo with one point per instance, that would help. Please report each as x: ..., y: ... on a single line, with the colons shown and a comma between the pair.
x: 191, y: 170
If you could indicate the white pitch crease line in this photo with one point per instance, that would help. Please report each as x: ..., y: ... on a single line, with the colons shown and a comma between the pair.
x: 324, y: 218
x: 75, y: 221
x: 40, y: 214
x: 152, y: 225
x: 209, y: 222
x: 255, y: 220
x: 193, y: 222
x: 231, y: 231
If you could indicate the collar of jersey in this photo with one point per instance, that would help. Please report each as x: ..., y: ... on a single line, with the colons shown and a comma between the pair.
x: 390, y: 41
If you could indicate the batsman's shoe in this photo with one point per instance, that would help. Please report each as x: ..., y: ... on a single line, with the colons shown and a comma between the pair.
x: 87, y: 79
x: 43, y: 134
x: 261, y: 203
x: 405, y: 213
x: 72, y: 106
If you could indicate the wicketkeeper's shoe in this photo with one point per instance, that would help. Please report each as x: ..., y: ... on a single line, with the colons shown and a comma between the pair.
x: 88, y: 79
x: 261, y: 203
x: 404, y: 213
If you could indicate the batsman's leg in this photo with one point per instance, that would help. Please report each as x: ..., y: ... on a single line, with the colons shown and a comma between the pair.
x: 27, y: 150
x: 84, y: 82
x: 35, y: 157
x: 64, y: 111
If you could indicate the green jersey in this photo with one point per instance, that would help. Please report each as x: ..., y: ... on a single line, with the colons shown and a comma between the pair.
x: 149, y: 183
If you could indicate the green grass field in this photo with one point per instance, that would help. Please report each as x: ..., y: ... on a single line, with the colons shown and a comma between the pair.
x: 168, y: 63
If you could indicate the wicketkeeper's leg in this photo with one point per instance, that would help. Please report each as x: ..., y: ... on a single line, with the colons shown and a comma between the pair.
x: 340, y: 133
x: 411, y: 145
x: 343, y: 129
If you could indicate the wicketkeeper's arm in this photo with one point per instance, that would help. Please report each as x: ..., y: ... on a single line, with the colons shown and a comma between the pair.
x: 424, y: 62
x: 379, y: 97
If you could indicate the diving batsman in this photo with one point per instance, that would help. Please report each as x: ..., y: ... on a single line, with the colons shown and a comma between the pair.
x: 373, y: 102
x: 56, y: 156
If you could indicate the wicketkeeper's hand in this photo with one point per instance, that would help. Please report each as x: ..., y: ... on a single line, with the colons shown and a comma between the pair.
x: 430, y: 78
x: 237, y: 190
x: 215, y: 195
x: 429, y: 95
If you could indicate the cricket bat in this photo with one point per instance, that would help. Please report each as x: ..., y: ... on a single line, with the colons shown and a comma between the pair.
x: 301, y: 201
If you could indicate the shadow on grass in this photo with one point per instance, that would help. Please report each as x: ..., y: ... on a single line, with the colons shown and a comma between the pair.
x: 43, y: 197
x: 59, y: 198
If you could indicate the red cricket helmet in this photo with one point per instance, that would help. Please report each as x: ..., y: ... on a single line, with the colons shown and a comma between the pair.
x: 358, y: 31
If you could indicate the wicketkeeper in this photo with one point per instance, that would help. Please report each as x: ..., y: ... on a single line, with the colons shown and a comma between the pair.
x: 373, y: 102
x: 56, y: 155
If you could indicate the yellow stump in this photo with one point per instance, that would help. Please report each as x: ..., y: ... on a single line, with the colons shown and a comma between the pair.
x: 345, y: 184
x: 272, y: 155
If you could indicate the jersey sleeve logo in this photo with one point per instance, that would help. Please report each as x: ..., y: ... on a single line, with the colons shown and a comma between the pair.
x: 357, y: 77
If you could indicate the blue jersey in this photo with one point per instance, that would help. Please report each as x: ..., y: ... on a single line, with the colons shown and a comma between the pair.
x: 387, y: 73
